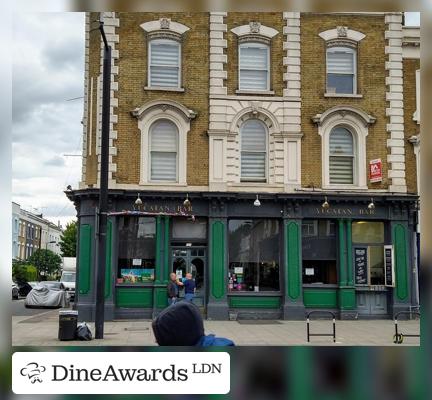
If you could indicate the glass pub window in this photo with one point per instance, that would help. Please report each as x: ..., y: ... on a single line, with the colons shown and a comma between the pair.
x: 253, y: 151
x: 341, y: 160
x: 163, y: 151
x: 253, y: 255
x: 371, y: 233
x: 254, y: 66
x: 137, y: 249
x: 341, y: 76
x: 164, y: 63
x: 319, y: 251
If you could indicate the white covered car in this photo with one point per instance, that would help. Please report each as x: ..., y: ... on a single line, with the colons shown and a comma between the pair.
x: 47, y: 295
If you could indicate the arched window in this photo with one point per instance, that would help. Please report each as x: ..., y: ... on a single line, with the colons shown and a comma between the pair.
x: 163, y: 151
x: 164, y: 63
x: 341, y: 70
x: 253, y: 135
x: 254, y: 61
x: 341, y: 156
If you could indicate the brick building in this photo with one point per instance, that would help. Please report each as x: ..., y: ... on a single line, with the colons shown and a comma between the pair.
x: 273, y: 155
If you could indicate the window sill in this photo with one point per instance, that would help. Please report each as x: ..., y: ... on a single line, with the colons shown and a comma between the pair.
x: 164, y: 89
x: 344, y: 187
x: 320, y: 285
x: 251, y: 292
x: 267, y: 92
x: 349, y: 95
x: 163, y: 183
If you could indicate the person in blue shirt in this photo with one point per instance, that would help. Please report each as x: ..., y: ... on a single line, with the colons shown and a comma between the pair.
x: 182, y: 325
x: 189, y: 287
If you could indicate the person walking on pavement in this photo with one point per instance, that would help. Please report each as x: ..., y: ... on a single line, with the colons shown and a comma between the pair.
x: 173, y: 288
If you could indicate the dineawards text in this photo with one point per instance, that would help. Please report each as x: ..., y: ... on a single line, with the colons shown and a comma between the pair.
x: 112, y: 374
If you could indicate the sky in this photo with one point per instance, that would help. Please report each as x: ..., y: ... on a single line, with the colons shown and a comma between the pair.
x: 48, y: 72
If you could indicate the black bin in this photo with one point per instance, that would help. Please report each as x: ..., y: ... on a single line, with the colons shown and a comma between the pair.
x: 68, y: 320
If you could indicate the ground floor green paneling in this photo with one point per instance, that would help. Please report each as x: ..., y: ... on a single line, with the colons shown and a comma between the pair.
x: 320, y: 298
x: 134, y: 297
x: 254, y: 302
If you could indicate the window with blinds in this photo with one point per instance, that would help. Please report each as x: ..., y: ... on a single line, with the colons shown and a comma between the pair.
x: 164, y: 64
x: 341, y: 162
x: 254, y: 66
x: 341, y: 66
x: 253, y: 151
x: 163, y: 151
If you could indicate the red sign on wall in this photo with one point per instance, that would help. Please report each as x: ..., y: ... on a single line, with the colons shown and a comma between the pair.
x: 375, y: 170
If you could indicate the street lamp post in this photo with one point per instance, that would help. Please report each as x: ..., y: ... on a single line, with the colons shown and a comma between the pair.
x: 103, y: 191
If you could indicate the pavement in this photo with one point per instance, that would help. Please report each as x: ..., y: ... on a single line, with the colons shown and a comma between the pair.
x: 42, y: 330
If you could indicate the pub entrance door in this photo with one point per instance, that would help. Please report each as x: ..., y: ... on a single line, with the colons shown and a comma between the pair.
x: 191, y: 260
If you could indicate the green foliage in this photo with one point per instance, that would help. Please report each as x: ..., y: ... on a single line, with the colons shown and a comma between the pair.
x: 47, y: 262
x: 22, y: 271
x: 68, y: 241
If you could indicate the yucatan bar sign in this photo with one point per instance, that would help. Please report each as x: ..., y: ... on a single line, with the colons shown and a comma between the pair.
x: 360, y: 266
x: 340, y: 211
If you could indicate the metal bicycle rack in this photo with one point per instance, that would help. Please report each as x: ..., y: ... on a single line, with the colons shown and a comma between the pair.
x: 398, y: 336
x: 320, y: 334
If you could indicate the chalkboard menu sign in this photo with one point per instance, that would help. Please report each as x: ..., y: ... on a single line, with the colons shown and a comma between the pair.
x: 361, y: 266
x: 388, y: 265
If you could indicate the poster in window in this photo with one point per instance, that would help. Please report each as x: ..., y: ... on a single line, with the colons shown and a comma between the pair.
x: 137, y: 275
x: 361, y: 266
x: 389, y: 265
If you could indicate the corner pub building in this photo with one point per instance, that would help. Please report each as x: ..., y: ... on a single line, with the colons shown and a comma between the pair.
x: 272, y: 155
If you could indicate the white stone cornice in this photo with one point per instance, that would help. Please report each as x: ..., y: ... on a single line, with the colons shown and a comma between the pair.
x: 163, y: 105
x: 367, y: 119
x: 342, y: 32
x: 164, y: 25
x: 254, y: 28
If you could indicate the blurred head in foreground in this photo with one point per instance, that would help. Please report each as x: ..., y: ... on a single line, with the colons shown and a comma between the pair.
x: 181, y: 324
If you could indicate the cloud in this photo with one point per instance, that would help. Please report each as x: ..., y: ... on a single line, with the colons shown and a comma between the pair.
x: 48, y: 69
x: 55, y: 161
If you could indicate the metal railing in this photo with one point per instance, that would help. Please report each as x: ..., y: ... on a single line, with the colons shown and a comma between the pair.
x: 398, y: 337
x: 309, y: 334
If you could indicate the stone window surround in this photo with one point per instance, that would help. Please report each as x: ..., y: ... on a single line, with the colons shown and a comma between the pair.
x: 416, y: 115
x: 164, y: 28
x: 357, y: 122
x: 181, y: 117
x: 342, y: 36
x: 255, y: 32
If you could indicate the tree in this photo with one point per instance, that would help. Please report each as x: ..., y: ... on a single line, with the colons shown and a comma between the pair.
x: 68, y: 240
x: 46, y: 262
x: 22, y: 271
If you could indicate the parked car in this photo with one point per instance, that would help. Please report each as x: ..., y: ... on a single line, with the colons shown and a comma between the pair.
x: 48, y: 294
x: 25, y: 287
x: 53, y: 285
x: 15, y: 291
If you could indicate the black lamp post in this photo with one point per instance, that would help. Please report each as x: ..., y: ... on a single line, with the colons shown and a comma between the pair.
x: 103, y: 191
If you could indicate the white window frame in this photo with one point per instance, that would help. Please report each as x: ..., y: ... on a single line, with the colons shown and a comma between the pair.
x: 348, y: 50
x: 149, y: 63
x: 261, y: 45
x: 266, y: 163
x: 150, y: 152
x: 353, y: 157
x: 181, y: 117
x: 357, y: 122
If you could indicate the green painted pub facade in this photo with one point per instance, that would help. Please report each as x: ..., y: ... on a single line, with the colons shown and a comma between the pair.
x: 278, y: 260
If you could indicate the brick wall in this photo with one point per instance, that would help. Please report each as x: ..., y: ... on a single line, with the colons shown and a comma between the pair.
x: 370, y: 83
x: 411, y: 127
x: 133, y: 77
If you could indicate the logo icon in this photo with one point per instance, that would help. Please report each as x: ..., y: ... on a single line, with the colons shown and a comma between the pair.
x: 32, y: 371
